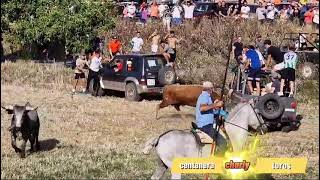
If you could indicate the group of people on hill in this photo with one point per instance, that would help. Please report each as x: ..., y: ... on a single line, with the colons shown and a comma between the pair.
x: 267, y: 11
x: 263, y: 56
x: 167, y: 45
x: 90, y: 62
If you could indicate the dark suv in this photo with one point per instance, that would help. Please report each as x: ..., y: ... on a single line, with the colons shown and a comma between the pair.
x: 148, y: 74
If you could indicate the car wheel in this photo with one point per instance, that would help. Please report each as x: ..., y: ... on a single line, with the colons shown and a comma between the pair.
x: 167, y: 76
x: 308, y: 70
x: 131, y: 92
x: 270, y: 106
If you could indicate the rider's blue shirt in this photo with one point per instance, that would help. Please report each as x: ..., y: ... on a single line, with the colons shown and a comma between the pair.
x: 204, y: 118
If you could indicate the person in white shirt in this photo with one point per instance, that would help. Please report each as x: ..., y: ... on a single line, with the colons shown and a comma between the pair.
x: 137, y: 43
x: 162, y: 7
x: 245, y: 10
x: 166, y: 19
x: 271, y: 12
x: 131, y: 9
x: 315, y: 19
x: 176, y: 14
x: 188, y: 9
x: 261, y: 12
x: 94, y: 67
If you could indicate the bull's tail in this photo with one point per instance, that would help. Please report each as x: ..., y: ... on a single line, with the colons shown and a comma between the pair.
x: 150, y: 144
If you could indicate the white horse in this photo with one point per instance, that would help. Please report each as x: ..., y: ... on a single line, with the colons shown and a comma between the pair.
x: 178, y: 143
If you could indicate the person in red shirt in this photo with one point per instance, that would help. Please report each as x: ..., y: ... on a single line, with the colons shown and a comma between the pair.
x: 308, y: 16
x: 115, y: 47
x: 119, y: 66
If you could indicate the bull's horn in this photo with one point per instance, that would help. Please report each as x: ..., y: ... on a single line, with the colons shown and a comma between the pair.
x: 28, y: 104
x: 10, y: 107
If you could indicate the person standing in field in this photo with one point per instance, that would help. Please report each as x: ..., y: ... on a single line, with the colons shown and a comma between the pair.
x: 253, y: 63
x: 289, y: 71
x: 261, y: 12
x: 274, y: 56
x: 237, y: 48
x: 155, y: 38
x: 115, y: 46
x: 154, y: 11
x: 94, y: 67
x: 176, y: 15
x: 137, y: 43
x: 245, y: 10
x: 166, y: 19
x: 188, y: 7
x: 79, y: 74
x: 131, y: 9
x: 172, y: 42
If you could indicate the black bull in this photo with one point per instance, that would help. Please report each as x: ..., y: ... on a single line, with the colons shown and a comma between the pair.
x: 25, y: 126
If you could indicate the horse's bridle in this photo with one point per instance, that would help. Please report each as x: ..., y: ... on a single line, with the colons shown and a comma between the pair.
x: 261, y: 126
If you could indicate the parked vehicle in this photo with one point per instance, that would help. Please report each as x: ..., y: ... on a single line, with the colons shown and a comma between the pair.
x: 136, y: 75
x: 205, y: 9
x: 308, y: 55
x: 279, y: 113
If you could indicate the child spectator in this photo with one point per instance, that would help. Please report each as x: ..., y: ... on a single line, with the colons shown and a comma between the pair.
x: 79, y: 73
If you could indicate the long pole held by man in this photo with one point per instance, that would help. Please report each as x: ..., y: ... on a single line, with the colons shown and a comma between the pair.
x: 220, y: 122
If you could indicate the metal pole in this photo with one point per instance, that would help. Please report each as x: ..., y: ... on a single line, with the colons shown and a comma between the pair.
x: 217, y: 128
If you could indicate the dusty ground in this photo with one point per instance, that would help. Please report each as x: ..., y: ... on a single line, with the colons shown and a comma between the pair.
x: 87, y: 137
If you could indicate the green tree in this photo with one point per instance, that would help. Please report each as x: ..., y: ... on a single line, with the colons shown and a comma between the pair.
x: 73, y: 22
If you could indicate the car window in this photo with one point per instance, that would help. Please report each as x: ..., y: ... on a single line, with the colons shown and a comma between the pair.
x: 202, y: 8
x: 132, y: 65
x: 118, y: 64
x: 154, y: 63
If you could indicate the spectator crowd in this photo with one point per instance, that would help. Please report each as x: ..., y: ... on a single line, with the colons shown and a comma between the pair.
x: 254, y: 58
x: 306, y: 14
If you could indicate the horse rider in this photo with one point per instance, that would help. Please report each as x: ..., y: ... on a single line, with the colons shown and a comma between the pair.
x: 206, y: 109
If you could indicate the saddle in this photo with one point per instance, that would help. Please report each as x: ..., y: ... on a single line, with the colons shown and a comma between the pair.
x: 201, y: 137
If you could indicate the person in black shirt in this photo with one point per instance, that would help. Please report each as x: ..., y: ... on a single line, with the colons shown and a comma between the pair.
x: 223, y: 9
x: 273, y: 53
x: 237, y: 49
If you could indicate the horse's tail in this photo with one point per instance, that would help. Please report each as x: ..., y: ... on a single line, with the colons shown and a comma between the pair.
x: 150, y: 144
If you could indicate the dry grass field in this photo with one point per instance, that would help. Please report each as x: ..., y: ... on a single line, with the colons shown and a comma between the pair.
x: 90, y: 137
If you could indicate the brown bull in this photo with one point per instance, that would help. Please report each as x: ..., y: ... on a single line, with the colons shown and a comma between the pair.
x: 180, y: 95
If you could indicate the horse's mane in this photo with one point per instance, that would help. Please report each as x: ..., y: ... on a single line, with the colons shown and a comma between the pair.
x: 236, y: 109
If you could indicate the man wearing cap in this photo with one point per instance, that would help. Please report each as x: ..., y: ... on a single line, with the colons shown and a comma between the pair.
x: 115, y: 46
x: 205, y: 109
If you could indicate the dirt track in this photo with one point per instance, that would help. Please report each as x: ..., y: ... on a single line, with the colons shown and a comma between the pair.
x: 98, y: 137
